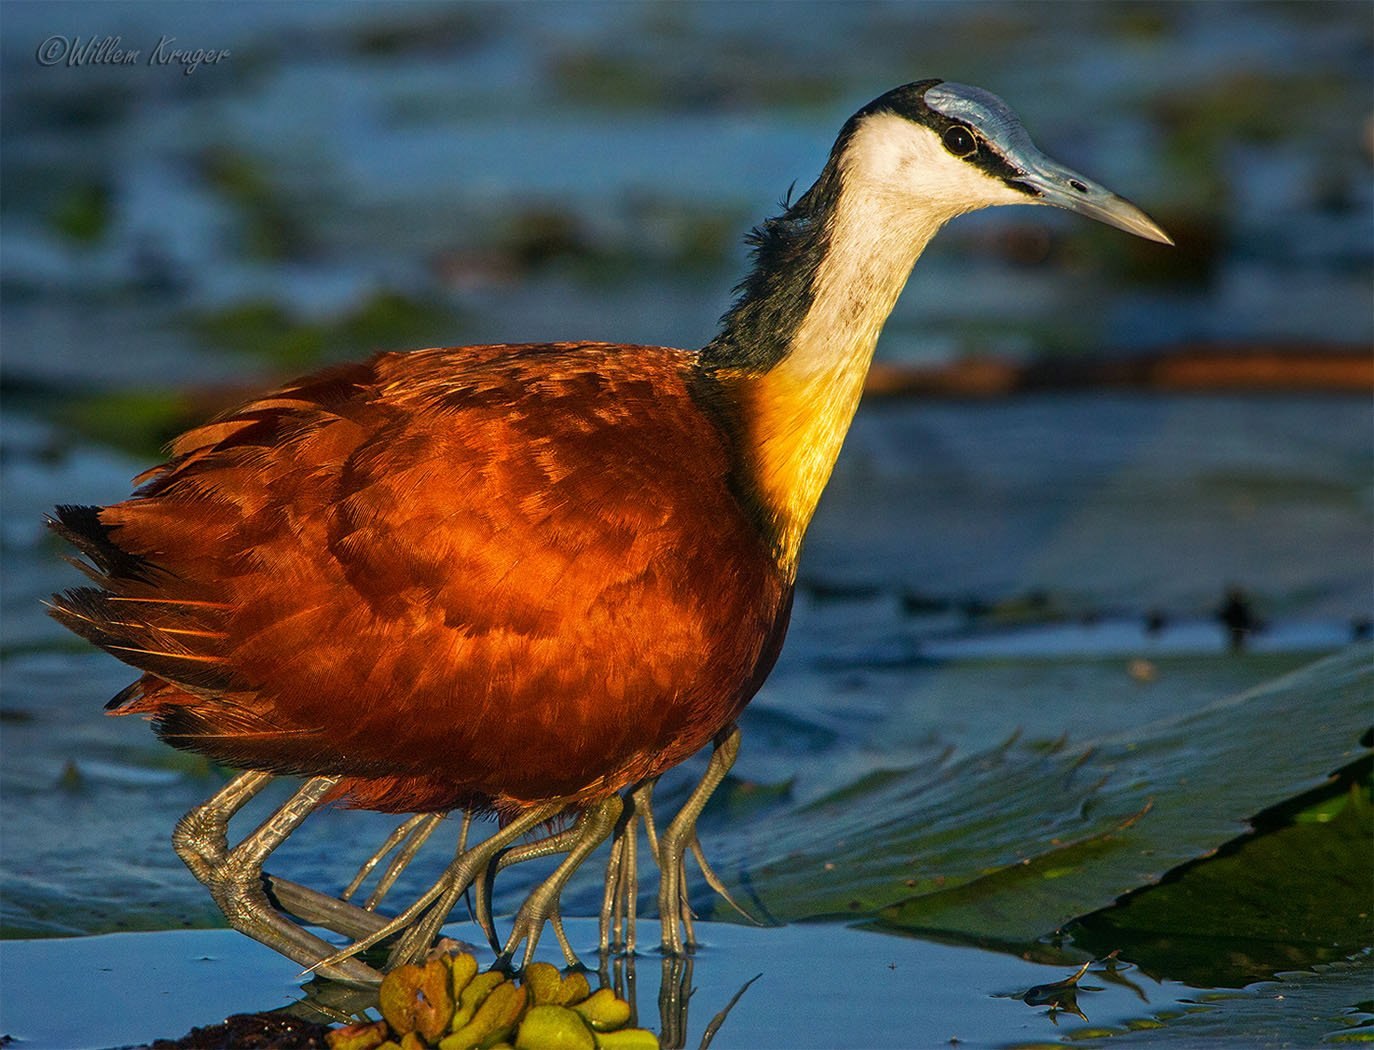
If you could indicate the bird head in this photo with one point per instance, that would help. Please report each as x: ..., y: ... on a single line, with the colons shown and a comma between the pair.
x: 950, y: 148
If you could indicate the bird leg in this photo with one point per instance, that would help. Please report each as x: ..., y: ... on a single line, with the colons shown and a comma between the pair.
x: 456, y: 878
x: 235, y: 878
x: 674, y: 912
x: 400, y: 834
x: 620, y: 902
x: 336, y: 913
x: 407, y: 853
x: 415, y: 832
x: 593, y: 827
x: 561, y: 842
x: 620, y: 899
x: 467, y: 867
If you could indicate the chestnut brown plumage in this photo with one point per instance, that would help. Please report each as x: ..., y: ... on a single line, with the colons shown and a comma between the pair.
x: 465, y: 577
x: 525, y: 578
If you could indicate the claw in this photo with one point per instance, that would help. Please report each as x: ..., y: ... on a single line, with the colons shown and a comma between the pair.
x: 714, y: 881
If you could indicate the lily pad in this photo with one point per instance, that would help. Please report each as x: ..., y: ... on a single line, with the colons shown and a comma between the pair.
x: 1009, y: 845
x: 1283, y: 900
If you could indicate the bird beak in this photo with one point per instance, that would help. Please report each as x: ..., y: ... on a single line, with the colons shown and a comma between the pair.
x: 1060, y: 186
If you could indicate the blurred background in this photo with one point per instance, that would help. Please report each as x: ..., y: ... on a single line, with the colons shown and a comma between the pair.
x: 1089, y: 463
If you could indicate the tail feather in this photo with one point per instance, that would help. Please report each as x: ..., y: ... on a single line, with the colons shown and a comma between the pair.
x: 207, y: 675
x: 82, y: 528
x: 131, y: 634
x: 239, y: 737
x: 224, y: 728
x: 128, y: 697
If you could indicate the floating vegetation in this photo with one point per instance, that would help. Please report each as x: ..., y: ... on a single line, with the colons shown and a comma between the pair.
x: 446, y: 1003
x: 1292, y: 895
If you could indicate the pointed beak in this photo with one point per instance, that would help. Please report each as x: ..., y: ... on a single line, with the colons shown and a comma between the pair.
x: 1055, y: 184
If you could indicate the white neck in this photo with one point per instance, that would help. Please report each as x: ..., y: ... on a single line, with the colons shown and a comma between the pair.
x: 898, y: 187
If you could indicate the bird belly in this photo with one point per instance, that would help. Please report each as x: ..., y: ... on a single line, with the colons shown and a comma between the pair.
x: 576, y: 713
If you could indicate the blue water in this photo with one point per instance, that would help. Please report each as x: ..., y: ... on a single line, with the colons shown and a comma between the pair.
x: 818, y: 986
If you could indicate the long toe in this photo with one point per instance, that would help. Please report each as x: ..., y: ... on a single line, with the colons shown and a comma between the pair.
x: 422, y: 921
x: 592, y: 828
x: 527, y: 929
x: 241, y: 896
x: 320, y: 909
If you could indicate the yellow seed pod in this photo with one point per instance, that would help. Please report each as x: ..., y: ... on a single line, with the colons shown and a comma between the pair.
x: 548, y: 987
x: 543, y: 982
x: 627, y: 1039
x: 603, y: 1011
x: 480, y: 987
x: 417, y: 999
x: 396, y: 998
x: 551, y: 1027
x: 493, y: 1021
x: 413, y: 1041
x: 462, y: 969
x: 435, y: 1009
x: 473, y: 994
x: 575, y: 988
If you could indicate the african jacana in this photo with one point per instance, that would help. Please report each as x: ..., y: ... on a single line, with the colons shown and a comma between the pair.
x: 521, y: 578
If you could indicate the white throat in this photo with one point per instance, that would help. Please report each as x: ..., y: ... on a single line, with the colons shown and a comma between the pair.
x: 898, y: 187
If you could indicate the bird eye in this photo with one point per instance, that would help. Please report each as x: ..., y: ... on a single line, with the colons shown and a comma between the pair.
x: 960, y: 141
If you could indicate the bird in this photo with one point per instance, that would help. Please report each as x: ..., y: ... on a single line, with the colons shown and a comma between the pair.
x: 526, y: 579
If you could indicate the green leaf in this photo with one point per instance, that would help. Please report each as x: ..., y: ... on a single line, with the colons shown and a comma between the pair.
x: 1010, y: 845
x: 1290, y: 898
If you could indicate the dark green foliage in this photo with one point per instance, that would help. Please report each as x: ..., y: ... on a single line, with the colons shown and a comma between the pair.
x: 1287, y: 899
